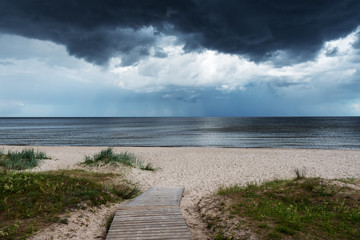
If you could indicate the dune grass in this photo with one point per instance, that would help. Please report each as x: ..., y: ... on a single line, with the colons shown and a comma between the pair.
x: 302, y: 208
x: 31, y: 201
x: 20, y: 160
x: 108, y: 156
x: 355, y: 181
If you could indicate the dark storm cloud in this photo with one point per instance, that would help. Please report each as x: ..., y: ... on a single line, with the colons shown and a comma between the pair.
x: 260, y: 30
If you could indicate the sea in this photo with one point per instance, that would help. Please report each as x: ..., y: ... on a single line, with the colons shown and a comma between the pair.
x: 232, y: 132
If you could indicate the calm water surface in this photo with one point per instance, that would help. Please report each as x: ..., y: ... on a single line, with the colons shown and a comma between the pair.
x: 319, y: 132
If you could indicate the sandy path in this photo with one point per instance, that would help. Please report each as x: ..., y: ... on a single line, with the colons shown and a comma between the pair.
x: 203, y: 170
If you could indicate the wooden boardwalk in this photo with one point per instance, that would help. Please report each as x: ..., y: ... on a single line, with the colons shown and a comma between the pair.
x: 155, y: 214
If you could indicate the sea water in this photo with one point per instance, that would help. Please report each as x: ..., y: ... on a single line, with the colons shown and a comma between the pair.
x: 280, y: 132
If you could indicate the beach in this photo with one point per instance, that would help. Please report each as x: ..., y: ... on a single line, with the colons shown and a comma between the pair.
x: 200, y: 170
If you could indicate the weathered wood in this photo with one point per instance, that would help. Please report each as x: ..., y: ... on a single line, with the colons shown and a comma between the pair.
x: 158, y: 196
x: 155, y: 214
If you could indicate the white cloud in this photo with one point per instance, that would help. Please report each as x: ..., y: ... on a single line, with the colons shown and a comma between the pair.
x: 179, y: 69
x: 10, y: 108
x: 356, y: 108
x: 34, y: 73
x: 210, y: 69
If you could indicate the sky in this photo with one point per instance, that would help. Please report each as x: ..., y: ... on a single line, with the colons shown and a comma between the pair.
x: 125, y: 58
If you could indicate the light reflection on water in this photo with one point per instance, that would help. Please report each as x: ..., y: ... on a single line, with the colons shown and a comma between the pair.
x: 320, y: 132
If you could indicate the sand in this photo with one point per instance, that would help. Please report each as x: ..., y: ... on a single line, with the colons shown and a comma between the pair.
x: 201, y: 171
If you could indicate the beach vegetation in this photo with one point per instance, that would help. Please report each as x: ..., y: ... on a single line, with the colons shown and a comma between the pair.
x: 349, y: 180
x: 220, y: 236
x: 299, y: 208
x: 108, y: 156
x: 20, y: 160
x: 300, y: 173
x: 31, y: 201
x: 146, y: 167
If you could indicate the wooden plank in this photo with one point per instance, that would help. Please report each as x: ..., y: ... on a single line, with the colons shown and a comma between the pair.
x: 155, y: 214
x: 151, y: 238
x: 158, y: 196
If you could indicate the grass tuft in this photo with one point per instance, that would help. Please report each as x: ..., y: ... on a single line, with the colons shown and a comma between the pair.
x: 220, y: 236
x: 147, y: 167
x: 300, y: 173
x: 349, y: 180
x: 108, y: 156
x: 20, y: 160
x: 29, y: 201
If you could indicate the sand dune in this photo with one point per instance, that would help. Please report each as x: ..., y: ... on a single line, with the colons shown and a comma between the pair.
x: 203, y: 170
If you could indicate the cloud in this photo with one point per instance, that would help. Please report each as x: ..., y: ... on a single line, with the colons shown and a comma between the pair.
x: 356, y: 107
x: 43, y: 80
x: 100, y: 45
x: 356, y: 43
x: 225, y: 72
x: 10, y: 108
x: 260, y: 30
x: 181, y: 70
x: 6, y: 63
x: 184, y: 95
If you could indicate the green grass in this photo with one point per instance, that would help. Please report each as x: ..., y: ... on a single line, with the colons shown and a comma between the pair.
x: 302, y: 208
x: 108, y: 156
x: 31, y: 201
x: 220, y: 236
x: 20, y: 160
x: 349, y: 180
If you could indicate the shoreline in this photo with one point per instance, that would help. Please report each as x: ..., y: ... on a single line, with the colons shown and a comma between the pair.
x: 203, y: 170
x: 205, y: 147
